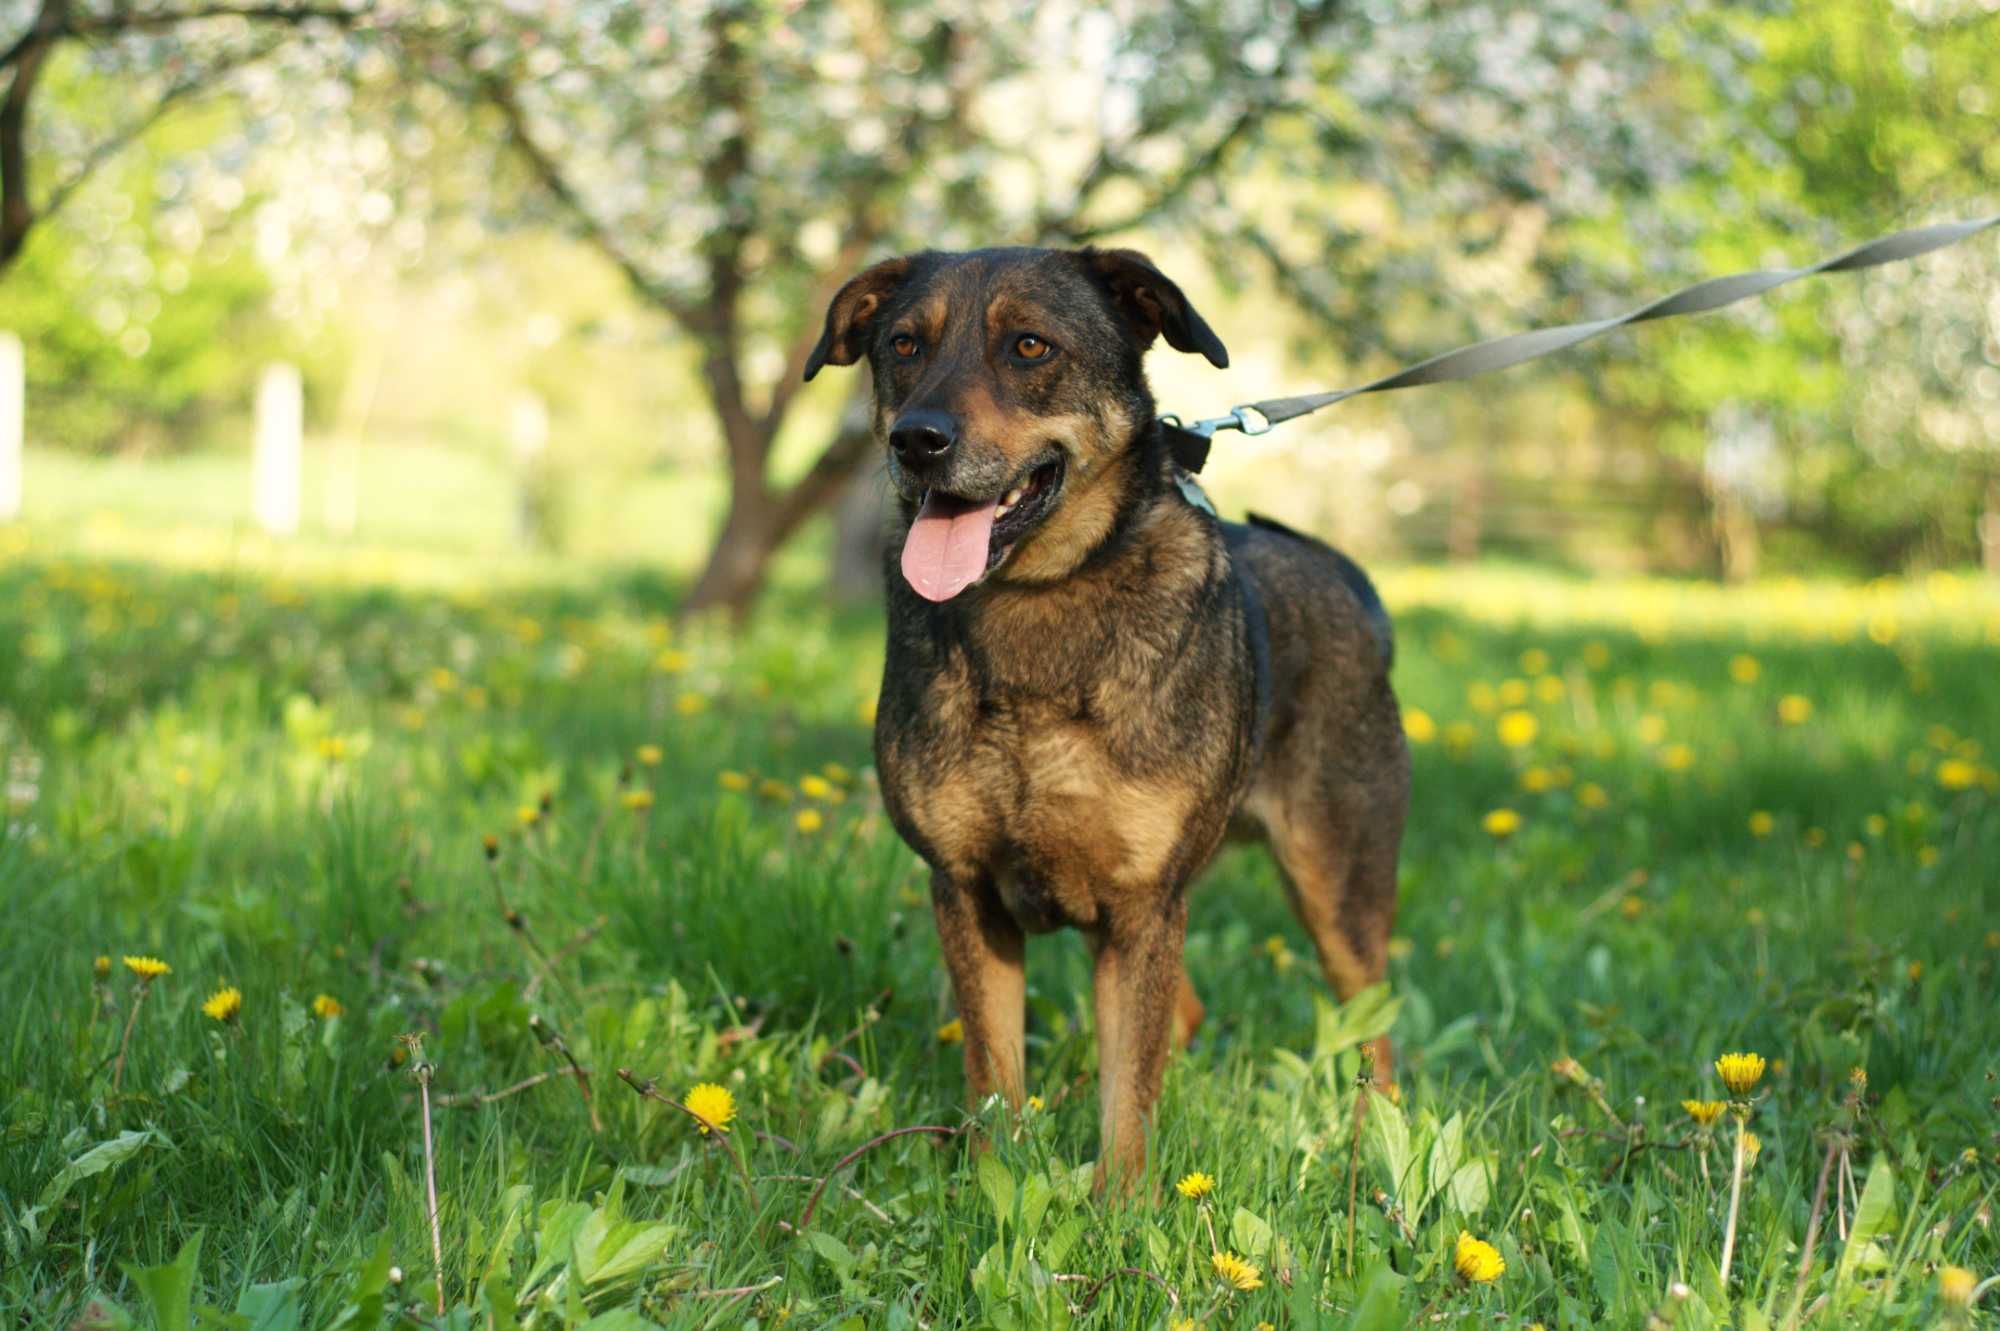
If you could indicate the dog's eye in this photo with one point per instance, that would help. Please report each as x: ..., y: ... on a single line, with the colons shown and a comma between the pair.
x: 903, y: 345
x: 1029, y: 347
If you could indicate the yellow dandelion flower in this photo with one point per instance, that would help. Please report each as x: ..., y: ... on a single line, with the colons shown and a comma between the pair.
x: 1677, y: 757
x: 527, y: 815
x: 1418, y: 726
x: 1652, y: 728
x: 101, y: 967
x: 649, y: 755
x: 1512, y: 692
x: 1184, y: 1324
x: 1916, y: 971
x: 1550, y: 688
x: 839, y: 775
x: 772, y: 789
x: 1795, y: 709
x: 327, y: 1007
x: 1034, y: 1104
x: 1537, y: 780
x: 1501, y: 824
x: 1476, y: 1261
x: 1596, y: 654
x: 148, y: 968
x: 691, y: 704
x: 1761, y: 823
x: 816, y: 787
x: 1957, y: 774
x: 1993, y: 940
x: 713, y: 1103
x: 1753, y: 1146
x: 224, y: 1003
x: 952, y: 1032
x: 1534, y: 661
x: 733, y: 781
x: 1460, y: 736
x: 1857, y: 1077
x: 1704, y: 1112
x: 1591, y: 795
x: 809, y: 820
x: 1236, y: 1273
x: 1195, y: 1186
x: 1744, y: 669
x: 1955, y: 1286
x: 1927, y: 856
x: 1517, y: 729
x: 1740, y: 1072
x: 1632, y: 907
x: 637, y: 800
x: 672, y: 661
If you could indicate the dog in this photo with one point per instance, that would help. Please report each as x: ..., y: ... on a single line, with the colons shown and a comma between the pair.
x: 1091, y: 681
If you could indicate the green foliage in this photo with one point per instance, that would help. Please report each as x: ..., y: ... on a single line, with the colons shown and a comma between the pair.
x: 284, y: 786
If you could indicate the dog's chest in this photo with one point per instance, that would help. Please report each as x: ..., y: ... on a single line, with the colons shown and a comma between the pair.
x: 1051, y: 809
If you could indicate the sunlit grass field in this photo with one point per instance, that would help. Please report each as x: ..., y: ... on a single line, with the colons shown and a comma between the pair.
x: 558, y: 832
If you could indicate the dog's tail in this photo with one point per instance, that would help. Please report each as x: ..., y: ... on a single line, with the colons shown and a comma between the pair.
x: 1357, y: 582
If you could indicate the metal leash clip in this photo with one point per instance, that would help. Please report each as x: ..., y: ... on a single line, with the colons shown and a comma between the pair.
x: 1246, y: 418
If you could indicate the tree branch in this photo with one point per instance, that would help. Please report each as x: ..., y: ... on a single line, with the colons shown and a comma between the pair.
x: 542, y: 163
x: 124, y: 20
x: 17, y: 210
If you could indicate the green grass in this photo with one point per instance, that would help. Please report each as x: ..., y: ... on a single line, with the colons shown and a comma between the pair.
x: 283, y: 784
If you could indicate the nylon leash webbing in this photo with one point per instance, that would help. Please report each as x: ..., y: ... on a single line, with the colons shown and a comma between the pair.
x: 1190, y: 442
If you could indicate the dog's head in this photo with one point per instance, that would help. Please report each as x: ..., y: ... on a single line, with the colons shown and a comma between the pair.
x: 1007, y: 384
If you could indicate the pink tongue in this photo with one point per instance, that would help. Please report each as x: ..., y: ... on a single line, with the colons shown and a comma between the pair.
x: 945, y: 551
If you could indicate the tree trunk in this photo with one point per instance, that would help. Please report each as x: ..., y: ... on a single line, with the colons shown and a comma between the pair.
x: 858, y: 536
x: 750, y: 536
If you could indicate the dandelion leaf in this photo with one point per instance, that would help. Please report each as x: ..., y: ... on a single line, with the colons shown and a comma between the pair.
x: 1874, y: 1220
x: 168, y: 1290
x: 271, y: 1307
x: 1388, y: 1140
x: 1381, y: 1304
x: 998, y: 1185
x: 1337, y: 1029
x: 1250, y: 1235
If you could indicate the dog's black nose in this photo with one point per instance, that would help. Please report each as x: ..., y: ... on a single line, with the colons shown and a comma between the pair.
x: 923, y: 436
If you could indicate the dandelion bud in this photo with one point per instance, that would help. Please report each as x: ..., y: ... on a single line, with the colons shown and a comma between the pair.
x: 1955, y: 1286
x: 101, y: 968
x: 492, y: 845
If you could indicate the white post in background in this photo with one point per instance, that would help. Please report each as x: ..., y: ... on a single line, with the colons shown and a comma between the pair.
x: 13, y: 415
x: 275, y: 464
x: 528, y: 430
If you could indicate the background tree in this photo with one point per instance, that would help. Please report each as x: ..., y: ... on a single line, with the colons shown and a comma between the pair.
x: 737, y: 160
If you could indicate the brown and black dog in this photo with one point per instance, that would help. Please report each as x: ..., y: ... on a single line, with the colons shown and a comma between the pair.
x: 1091, y: 681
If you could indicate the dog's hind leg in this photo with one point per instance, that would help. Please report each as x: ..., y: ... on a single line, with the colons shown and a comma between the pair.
x: 985, y: 954
x: 1339, y: 863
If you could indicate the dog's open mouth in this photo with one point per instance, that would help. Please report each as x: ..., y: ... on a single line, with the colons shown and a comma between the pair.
x: 956, y: 541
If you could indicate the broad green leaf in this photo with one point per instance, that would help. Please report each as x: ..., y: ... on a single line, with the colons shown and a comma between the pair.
x: 619, y: 1319
x: 272, y: 1307
x: 1063, y: 1241
x: 1361, y: 1018
x: 1381, y: 1305
x: 1035, y: 1197
x: 607, y: 1250
x: 96, y: 1160
x: 837, y: 1254
x: 1874, y: 1218
x: 1445, y: 1157
x: 1471, y: 1187
x: 1388, y: 1137
x: 1250, y: 1235
x: 168, y: 1291
x: 555, y: 1234
x: 998, y: 1185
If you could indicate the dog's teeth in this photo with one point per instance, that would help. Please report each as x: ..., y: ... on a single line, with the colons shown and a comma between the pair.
x: 1013, y: 497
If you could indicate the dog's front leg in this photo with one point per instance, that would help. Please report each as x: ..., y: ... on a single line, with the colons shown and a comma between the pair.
x: 983, y: 951
x: 1137, y: 981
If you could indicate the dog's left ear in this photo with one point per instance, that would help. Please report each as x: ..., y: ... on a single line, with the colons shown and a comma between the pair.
x: 1153, y: 305
x: 847, y: 317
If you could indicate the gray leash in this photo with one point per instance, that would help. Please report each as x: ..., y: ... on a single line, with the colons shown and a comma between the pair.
x: 1190, y: 442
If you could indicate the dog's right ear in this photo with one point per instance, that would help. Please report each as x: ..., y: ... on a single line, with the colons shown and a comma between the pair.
x: 847, y: 317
